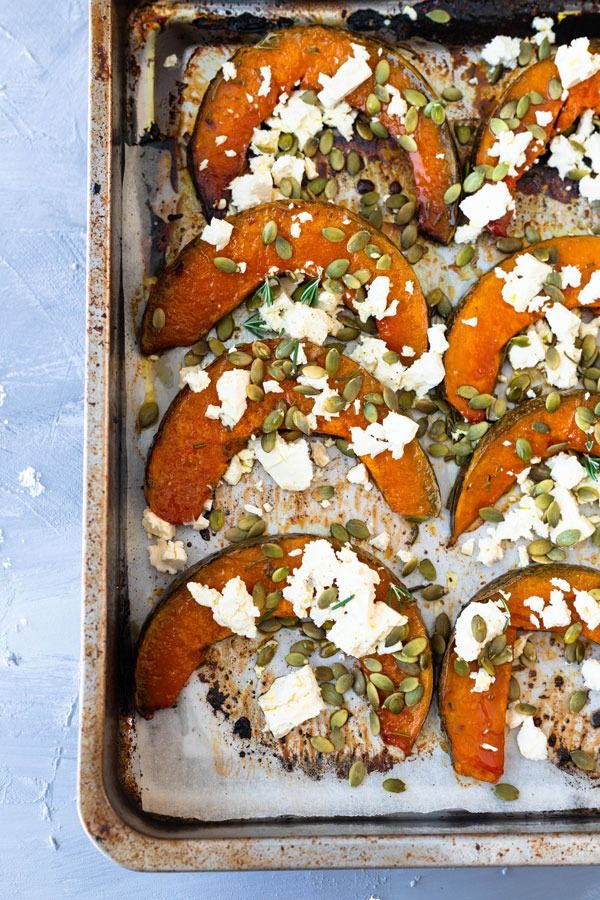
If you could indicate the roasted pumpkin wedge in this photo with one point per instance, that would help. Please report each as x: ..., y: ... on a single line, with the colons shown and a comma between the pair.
x: 296, y: 58
x: 483, y: 323
x: 192, y: 294
x: 191, y: 453
x: 495, y: 464
x: 178, y: 633
x: 475, y: 722
x: 541, y: 78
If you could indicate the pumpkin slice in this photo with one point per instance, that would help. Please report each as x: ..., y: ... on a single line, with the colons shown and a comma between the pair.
x: 494, y: 466
x: 475, y: 354
x: 194, y: 294
x: 296, y: 58
x: 537, y: 77
x: 474, y: 722
x: 191, y: 453
x: 178, y: 633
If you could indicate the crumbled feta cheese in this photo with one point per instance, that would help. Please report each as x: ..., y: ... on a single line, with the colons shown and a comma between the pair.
x: 423, y: 375
x: 393, y: 434
x: 565, y: 325
x: 543, y: 117
x: 566, y: 470
x: 288, y: 464
x: 286, y: 166
x: 467, y: 547
x: 195, y: 377
x: 293, y: 115
x: 154, y: 526
x: 513, y: 718
x: 489, y: 203
x: 523, y: 520
x: 220, y: 139
x: 571, y: 276
x: 502, y: 50
x: 233, y: 607
x: 397, y: 106
x: 231, y: 391
x: 530, y: 355
x: 358, y: 474
x: 167, y: 556
x: 543, y: 26
x: 483, y: 681
x: 217, y: 233
x: 29, y: 479
x: 591, y: 292
x: 170, y: 61
x: 199, y: 524
x: 531, y: 741
x: 564, y: 155
x: 348, y: 77
x: 570, y: 517
x: 575, y: 63
x: 496, y: 619
x: 409, y: 11
x: 251, y: 190
x: 272, y: 387
x: 472, y: 323
x: 342, y: 117
x: 291, y: 700
x: 589, y: 188
x: 265, y: 84
x: 524, y: 282
x: 510, y: 147
x: 381, y: 541
x: 239, y: 465
x: 555, y: 613
x: 375, y: 303
x: 228, y: 71
x: 590, y: 671
x: 298, y: 320
x: 587, y: 609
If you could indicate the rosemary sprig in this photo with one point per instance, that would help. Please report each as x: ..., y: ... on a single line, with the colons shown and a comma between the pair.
x: 401, y: 594
x: 265, y: 293
x: 592, y: 466
x: 342, y: 602
x: 310, y: 291
x: 256, y: 325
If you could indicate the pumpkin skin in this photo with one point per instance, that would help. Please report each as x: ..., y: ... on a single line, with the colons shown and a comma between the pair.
x: 472, y: 719
x: 177, y: 634
x: 474, y: 355
x: 194, y: 294
x: 190, y: 453
x: 585, y: 95
x: 300, y: 55
x: 493, y: 468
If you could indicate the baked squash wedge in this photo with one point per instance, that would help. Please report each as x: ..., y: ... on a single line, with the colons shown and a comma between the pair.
x: 484, y: 323
x: 193, y: 293
x: 475, y: 722
x: 295, y: 59
x: 191, y: 452
x: 495, y: 464
x: 176, y: 636
x: 541, y: 78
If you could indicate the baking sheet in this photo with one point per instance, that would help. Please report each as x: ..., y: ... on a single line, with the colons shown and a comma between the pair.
x: 189, y: 762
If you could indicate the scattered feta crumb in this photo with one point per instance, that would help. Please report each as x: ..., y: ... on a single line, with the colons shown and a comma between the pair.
x: 231, y: 391
x: 288, y: 464
x: 575, y: 63
x: 381, y: 541
x: 217, y: 233
x: 265, y: 84
x: 348, y: 77
x: 233, y: 607
x: 195, y: 377
x: 169, y: 557
x: 154, y: 526
x: 228, y: 71
x: 483, y: 681
x: 489, y: 203
x: 531, y: 741
x: 29, y: 479
x: 291, y: 700
x: 496, y: 619
x: 590, y: 671
x: 392, y: 434
x: 472, y: 323
x: 543, y: 26
x: 502, y: 50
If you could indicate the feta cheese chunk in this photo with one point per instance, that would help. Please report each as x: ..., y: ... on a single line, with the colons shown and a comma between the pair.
x: 195, y: 377
x: 510, y: 147
x: 502, y: 50
x: 239, y: 465
x: 251, y: 190
x: 286, y: 166
x: 566, y: 470
x: 590, y: 671
x: 428, y: 370
x: 575, y: 63
x: 543, y: 26
x: 231, y: 391
x: 291, y: 700
x: 167, y: 556
x: 489, y: 203
x: 591, y: 291
x: 375, y: 303
x: 348, y: 77
x: 217, y: 232
x: 530, y: 355
x: 233, y: 607
x: 293, y: 115
x: 483, y: 681
x: 154, y: 526
x: 358, y: 474
x: 393, y: 434
x: 531, y: 741
x: 587, y: 609
x: 496, y: 619
x: 523, y: 284
x: 288, y: 464
x: 228, y: 70
x: 265, y: 84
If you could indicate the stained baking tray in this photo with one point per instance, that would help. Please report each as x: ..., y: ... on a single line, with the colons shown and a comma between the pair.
x: 127, y: 44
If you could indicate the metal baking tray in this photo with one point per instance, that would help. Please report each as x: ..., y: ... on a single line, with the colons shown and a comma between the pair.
x: 109, y: 798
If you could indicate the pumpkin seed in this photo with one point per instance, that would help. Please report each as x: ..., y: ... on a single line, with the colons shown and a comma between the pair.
x: 339, y: 669
x: 374, y: 723
x: 394, y: 702
x: 452, y: 94
x: 235, y: 535
x: 327, y: 597
x: 461, y: 667
x: 382, y: 682
x: 544, y: 49
x: 280, y: 574
x: 438, y: 644
x: 239, y: 359
x: 506, y: 792
x: 330, y: 695
x: 514, y: 689
x: 491, y: 514
x: 415, y: 646
x: 283, y: 248
x: 357, y: 773
x: 158, y: 319
x: 147, y: 414
x: 408, y: 684
x: 555, y: 88
x: 584, y: 761
x: 509, y: 244
x: 358, y: 529
x: 303, y: 646
x: 371, y: 664
x: 478, y: 628
x: 394, y: 636
x: 352, y: 389
x: 360, y: 683
x: 337, y: 268
x: 473, y: 181
x: 358, y: 241
x: 382, y: 71
x: 339, y: 533
x: 463, y: 134
x: 394, y: 785
x: 226, y: 265
x: 335, y: 235
x: 354, y: 163
x: 269, y: 232
x: 273, y: 421
x: 568, y: 537
x: 465, y: 255
x: 315, y: 185
x: 339, y: 718
x: 523, y: 449
x: 523, y: 105
x: 497, y: 126
x: 408, y: 143
x: 411, y: 698
x: 255, y: 393
x: 433, y: 592
x: 372, y: 695
x: 442, y: 625
x: 322, y: 744
x: 577, y: 701
x: 216, y: 519
x: 453, y: 193
x: 268, y: 441
x: 344, y: 682
x: 427, y: 569
x: 323, y: 673
x: 296, y: 660
x: 337, y: 160
x: 266, y: 654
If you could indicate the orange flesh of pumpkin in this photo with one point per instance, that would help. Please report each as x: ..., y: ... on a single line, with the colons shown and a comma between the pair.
x: 494, y: 467
x: 178, y: 633
x: 474, y: 356
x: 300, y: 55
x: 191, y: 453
x: 585, y: 95
x: 193, y: 294
x: 472, y: 719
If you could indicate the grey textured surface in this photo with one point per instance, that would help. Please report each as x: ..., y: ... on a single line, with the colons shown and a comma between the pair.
x: 43, y: 97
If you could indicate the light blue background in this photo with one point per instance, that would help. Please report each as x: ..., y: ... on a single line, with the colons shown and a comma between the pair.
x: 44, y: 852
